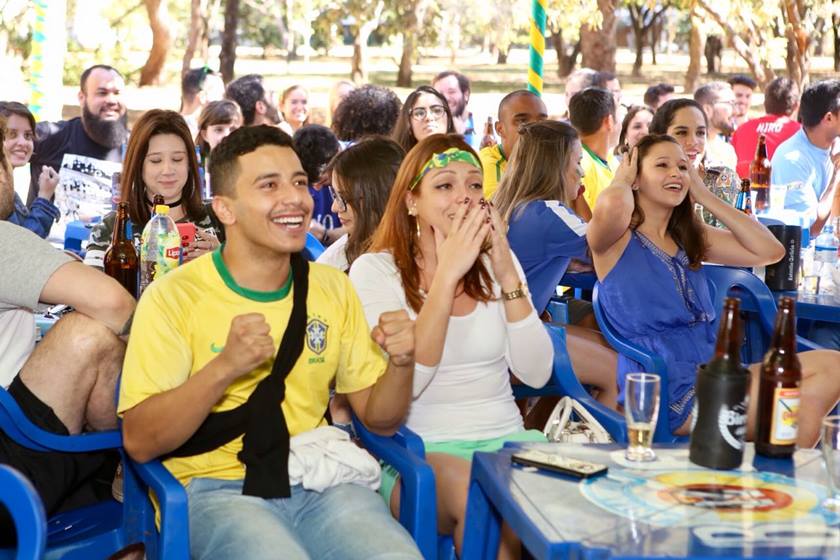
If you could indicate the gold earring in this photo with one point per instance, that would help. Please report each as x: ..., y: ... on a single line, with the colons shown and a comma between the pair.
x: 412, y: 211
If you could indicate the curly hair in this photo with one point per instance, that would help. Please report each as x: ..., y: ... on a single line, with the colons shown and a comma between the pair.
x: 368, y: 110
x: 315, y: 145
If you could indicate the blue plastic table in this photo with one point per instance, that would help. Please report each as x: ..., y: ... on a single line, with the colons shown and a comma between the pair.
x: 671, y: 508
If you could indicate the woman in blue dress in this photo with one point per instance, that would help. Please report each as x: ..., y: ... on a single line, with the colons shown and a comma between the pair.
x: 648, y: 245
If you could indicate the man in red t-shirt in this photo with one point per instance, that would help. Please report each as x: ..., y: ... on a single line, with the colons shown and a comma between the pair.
x: 781, y: 101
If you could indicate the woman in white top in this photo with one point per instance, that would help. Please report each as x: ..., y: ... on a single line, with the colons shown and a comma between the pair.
x: 441, y: 253
x: 362, y: 176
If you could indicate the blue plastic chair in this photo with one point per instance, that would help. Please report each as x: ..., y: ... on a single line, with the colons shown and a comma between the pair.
x: 564, y: 382
x: 726, y: 280
x: 418, y: 498
x: 651, y: 363
x: 27, y: 511
x: 313, y: 248
x: 172, y: 540
x: 99, y: 530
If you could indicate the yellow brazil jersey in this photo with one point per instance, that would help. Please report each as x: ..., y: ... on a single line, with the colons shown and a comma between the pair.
x: 597, y: 175
x: 494, y: 162
x: 182, y: 323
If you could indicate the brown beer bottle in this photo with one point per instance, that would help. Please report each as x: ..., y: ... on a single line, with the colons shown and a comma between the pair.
x: 121, y: 262
x: 779, y: 387
x: 489, y: 138
x: 717, y: 439
x: 760, y: 176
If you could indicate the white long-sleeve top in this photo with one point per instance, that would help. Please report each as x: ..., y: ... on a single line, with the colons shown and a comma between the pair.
x: 467, y: 396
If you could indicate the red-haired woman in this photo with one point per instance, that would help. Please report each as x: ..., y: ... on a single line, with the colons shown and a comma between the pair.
x: 441, y: 253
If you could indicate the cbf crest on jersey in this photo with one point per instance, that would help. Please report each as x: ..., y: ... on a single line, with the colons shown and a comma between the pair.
x: 316, y: 335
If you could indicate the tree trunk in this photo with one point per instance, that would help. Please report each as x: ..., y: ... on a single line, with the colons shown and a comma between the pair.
x: 502, y: 56
x: 695, y: 53
x: 637, y: 21
x: 406, y: 60
x: 227, y: 56
x: 655, y: 33
x: 798, y: 42
x: 714, y: 46
x: 598, y: 45
x: 161, y: 42
x: 291, y: 44
x: 358, y: 65
x: 565, y: 62
x: 194, y: 35
x: 413, y: 23
x: 835, y: 20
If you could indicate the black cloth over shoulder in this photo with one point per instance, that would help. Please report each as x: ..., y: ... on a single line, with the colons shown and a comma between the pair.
x: 265, y: 447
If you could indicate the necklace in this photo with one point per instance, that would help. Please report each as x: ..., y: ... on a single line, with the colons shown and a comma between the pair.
x: 170, y: 204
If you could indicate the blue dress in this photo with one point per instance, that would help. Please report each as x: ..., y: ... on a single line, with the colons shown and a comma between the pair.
x: 656, y: 302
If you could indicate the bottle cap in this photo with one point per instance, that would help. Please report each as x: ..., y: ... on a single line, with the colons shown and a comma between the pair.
x: 162, y: 209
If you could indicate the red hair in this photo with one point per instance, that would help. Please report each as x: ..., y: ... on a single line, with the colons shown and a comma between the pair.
x: 397, y: 232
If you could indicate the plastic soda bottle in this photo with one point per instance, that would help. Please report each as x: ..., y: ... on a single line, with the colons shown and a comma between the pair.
x: 160, y: 247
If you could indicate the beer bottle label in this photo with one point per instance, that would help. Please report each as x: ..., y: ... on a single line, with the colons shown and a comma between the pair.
x: 785, y: 415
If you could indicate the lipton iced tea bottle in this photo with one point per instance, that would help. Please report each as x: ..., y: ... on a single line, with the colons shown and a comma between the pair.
x: 160, y: 248
x: 778, y: 389
x: 717, y: 440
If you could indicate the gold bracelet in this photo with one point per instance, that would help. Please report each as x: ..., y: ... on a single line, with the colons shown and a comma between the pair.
x: 519, y: 292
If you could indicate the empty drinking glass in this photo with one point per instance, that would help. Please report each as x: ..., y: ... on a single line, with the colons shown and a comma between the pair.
x: 641, y: 409
x: 831, y: 455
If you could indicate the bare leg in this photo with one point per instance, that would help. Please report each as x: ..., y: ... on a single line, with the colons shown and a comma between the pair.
x: 594, y: 362
x: 340, y: 410
x: 74, y: 371
x: 820, y: 391
x: 452, y: 477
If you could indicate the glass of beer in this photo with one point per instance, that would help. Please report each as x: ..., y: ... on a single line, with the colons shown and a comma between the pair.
x: 641, y: 409
x: 831, y: 455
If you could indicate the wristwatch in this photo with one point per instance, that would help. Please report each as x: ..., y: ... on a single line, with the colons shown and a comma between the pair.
x: 519, y: 292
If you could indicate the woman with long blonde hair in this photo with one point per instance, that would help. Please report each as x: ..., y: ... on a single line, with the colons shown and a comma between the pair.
x: 536, y: 199
x: 441, y: 254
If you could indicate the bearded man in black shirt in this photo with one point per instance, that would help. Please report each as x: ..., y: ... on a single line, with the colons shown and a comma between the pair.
x: 100, y: 133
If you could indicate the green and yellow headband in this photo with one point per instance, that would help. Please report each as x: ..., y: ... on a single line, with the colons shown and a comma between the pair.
x: 441, y: 160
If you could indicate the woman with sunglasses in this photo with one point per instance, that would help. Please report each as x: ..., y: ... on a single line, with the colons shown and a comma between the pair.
x: 425, y: 112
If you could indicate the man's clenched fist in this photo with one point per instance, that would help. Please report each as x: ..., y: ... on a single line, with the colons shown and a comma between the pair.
x: 395, y: 334
x: 249, y: 343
